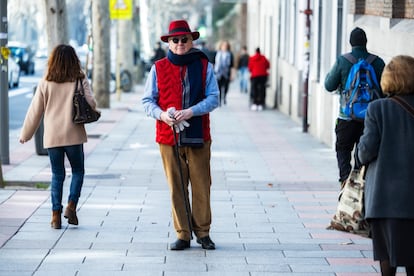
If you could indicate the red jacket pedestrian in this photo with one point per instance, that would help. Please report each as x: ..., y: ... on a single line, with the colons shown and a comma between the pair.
x: 258, y: 67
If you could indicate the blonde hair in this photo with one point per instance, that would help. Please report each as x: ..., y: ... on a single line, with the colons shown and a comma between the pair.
x: 224, y: 43
x: 397, y: 76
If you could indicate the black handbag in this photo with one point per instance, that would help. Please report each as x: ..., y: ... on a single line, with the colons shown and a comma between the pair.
x: 83, y: 113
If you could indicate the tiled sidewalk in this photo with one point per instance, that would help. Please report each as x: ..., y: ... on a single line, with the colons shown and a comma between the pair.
x: 15, y: 208
x: 273, y: 194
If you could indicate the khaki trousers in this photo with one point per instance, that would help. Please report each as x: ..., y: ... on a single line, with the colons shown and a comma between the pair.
x: 195, y: 164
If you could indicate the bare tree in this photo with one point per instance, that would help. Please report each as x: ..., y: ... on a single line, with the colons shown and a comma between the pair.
x: 22, y: 25
x: 79, y: 14
x: 101, y: 52
x: 56, y: 23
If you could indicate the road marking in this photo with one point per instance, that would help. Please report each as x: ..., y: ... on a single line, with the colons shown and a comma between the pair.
x: 18, y: 91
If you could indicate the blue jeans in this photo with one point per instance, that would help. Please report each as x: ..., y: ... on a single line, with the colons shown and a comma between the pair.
x: 76, y: 159
x: 243, y: 78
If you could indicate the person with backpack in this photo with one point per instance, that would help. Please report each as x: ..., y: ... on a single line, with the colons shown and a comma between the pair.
x: 349, y: 127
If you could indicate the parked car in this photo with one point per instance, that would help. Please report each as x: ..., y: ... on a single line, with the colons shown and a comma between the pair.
x: 24, y: 56
x: 14, y: 73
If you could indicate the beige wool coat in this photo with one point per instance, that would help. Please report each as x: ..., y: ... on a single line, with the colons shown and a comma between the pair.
x: 54, y: 101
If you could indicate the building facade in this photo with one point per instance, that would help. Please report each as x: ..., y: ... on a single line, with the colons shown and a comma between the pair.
x: 302, y: 52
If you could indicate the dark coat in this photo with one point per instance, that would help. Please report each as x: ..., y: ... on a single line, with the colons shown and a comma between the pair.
x: 336, y: 78
x: 387, y: 147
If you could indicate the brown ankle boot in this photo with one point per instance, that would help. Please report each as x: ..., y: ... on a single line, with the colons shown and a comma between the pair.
x: 56, y: 222
x: 70, y: 213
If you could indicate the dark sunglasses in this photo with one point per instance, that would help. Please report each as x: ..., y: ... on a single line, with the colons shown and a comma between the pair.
x: 183, y: 40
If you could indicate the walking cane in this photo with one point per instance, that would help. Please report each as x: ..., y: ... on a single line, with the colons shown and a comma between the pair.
x: 187, y: 204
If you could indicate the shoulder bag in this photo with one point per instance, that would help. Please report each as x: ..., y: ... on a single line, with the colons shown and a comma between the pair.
x: 83, y: 113
x: 403, y: 104
x: 350, y: 213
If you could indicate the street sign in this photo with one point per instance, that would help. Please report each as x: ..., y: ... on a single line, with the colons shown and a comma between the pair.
x: 5, y: 52
x: 120, y: 9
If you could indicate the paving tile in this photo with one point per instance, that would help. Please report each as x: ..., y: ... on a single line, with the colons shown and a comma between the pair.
x: 274, y: 192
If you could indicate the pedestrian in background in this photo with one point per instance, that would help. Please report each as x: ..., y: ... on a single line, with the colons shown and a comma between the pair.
x: 159, y: 53
x: 223, y: 65
x: 209, y: 53
x: 386, y: 147
x: 258, y: 67
x: 347, y: 130
x: 53, y: 100
x: 242, y: 69
x: 181, y: 89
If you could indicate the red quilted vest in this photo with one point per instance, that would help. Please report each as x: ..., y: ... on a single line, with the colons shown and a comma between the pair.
x: 169, y: 82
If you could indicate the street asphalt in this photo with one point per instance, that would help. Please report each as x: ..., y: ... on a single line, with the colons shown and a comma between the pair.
x: 274, y: 192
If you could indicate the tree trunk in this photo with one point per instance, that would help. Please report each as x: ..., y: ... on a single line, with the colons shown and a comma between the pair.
x: 101, y: 52
x: 125, y: 40
x: 56, y: 22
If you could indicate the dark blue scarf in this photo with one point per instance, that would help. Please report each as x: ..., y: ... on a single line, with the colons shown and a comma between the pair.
x: 193, y: 93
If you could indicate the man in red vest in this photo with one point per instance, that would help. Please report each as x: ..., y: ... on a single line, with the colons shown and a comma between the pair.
x: 180, y: 91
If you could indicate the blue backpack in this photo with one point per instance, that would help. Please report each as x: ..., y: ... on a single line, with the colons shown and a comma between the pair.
x: 361, y: 87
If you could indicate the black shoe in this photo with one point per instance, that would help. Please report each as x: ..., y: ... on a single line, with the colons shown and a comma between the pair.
x: 180, y: 245
x: 206, y: 243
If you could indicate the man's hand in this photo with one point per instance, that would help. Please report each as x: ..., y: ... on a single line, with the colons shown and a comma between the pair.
x: 167, y: 119
x: 178, y: 118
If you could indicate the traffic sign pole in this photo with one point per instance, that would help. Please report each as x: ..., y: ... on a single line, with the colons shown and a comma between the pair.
x: 4, y: 87
x: 119, y: 10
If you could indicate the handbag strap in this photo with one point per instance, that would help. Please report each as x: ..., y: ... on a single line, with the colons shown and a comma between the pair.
x: 404, y: 104
x: 80, y: 90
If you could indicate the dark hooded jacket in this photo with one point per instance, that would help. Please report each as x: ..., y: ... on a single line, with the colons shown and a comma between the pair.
x: 336, y: 78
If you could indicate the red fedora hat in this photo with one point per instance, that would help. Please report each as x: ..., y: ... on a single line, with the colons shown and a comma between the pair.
x: 177, y: 28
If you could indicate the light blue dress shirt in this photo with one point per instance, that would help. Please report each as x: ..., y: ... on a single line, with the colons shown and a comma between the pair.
x: 208, y: 104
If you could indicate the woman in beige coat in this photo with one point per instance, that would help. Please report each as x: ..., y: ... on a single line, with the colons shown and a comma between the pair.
x: 53, y: 101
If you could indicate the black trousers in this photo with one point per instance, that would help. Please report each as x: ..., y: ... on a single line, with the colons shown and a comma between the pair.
x: 347, y: 137
x: 258, y: 90
x: 223, y: 84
